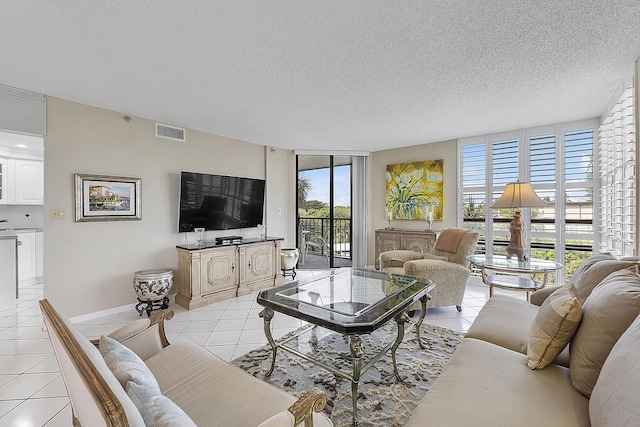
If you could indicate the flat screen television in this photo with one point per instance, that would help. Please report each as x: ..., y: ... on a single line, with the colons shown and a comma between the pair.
x: 219, y: 202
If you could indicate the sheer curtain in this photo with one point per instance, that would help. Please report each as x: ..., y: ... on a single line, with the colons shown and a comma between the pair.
x: 358, y: 211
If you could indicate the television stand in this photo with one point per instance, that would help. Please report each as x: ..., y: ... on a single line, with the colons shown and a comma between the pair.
x: 228, y: 240
x: 215, y: 273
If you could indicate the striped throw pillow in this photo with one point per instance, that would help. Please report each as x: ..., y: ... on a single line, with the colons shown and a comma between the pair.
x: 554, y: 326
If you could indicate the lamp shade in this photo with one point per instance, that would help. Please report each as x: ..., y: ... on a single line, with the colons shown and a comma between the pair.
x: 519, y: 195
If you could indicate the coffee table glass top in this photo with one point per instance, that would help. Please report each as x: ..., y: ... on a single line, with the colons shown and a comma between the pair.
x: 348, y: 300
x: 350, y: 292
x: 501, y: 262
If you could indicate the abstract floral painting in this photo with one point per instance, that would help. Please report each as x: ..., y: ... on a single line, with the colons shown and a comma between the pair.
x: 415, y: 190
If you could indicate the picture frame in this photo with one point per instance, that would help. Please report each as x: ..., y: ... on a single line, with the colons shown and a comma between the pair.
x: 107, y: 198
x: 415, y: 190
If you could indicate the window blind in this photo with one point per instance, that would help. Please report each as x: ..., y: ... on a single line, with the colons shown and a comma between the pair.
x: 617, y: 170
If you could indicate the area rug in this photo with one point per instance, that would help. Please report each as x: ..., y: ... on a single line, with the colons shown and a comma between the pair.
x: 382, y: 400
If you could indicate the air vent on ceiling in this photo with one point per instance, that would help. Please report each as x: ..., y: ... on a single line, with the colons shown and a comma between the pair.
x: 170, y: 132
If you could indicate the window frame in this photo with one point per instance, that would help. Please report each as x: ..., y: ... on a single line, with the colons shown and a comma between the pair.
x: 559, y: 187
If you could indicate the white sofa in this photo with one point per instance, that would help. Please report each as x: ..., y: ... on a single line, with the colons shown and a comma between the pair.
x: 198, y: 387
x: 594, y: 381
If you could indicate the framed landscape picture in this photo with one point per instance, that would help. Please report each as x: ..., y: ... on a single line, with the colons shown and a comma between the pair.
x: 107, y: 198
x: 415, y: 190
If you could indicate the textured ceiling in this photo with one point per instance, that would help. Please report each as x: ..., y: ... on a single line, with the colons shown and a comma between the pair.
x: 331, y: 75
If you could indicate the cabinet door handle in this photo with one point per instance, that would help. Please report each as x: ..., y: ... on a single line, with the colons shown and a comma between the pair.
x: 233, y: 267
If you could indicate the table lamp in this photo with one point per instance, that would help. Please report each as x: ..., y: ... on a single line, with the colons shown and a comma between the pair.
x: 517, y: 195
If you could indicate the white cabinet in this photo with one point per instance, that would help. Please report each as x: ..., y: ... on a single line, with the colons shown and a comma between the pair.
x: 4, y: 181
x: 26, y: 255
x: 29, y: 182
x: 22, y: 182
x: 39, y: 253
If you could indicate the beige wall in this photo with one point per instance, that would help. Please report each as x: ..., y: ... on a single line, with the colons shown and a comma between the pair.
x: 89, y: 266
x: 376, y: 186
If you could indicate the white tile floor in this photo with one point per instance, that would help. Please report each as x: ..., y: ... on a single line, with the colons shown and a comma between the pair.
x: 32, y: 392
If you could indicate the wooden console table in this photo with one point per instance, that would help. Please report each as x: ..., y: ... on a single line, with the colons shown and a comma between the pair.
x: 412, y: 240
x: 212, y: 272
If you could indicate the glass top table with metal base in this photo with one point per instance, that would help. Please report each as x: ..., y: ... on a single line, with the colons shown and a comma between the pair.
x: 515, y: 280
x: 353, y: 302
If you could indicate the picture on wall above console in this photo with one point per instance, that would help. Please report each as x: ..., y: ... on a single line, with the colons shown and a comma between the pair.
x: 415, y: 190
x: 107, y: 198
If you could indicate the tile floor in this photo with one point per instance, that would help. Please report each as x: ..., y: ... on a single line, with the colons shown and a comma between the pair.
x: 32, y: 392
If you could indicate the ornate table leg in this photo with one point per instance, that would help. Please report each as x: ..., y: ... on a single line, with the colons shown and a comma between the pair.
x: 400, y: 319
x: 356, y: 354
x: 267, y: 315
x: 423, y: 312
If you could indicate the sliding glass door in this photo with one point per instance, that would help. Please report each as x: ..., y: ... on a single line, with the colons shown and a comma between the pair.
x: 324, y: 211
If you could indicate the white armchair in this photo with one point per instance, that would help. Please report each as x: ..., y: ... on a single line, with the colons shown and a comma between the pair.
x: 445, y: 265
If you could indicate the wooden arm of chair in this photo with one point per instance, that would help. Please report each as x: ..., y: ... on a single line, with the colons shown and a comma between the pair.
x: 303, y: 408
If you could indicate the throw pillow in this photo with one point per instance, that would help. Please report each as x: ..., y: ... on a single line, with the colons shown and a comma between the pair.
x: 594, y: 270
x: 126, y: 365
x: 607, y: 313
x: 553, y: 327
x: 614, y: 401
x: 157, y: 410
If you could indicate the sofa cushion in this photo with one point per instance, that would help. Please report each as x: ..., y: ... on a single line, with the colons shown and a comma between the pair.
x: 157, y: 410
x: 610, y: 309
x: 553, y: 327
x: 281, y: 419
x: 146, y: 343
x: 593, y: 270
x: 130, y: 329
x: 126, y: 365
x: 193, y: 378
x: 436, y: 257
x: 485, y: 385
x: 614, y: 401
x: 505, y: 321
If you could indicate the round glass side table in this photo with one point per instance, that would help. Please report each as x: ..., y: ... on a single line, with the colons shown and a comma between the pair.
x: 521, y: 274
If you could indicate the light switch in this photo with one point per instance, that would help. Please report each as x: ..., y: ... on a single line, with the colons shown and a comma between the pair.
x: 58, y: 213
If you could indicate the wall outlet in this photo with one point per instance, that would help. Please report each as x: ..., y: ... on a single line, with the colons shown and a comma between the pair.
x: 58, y: 213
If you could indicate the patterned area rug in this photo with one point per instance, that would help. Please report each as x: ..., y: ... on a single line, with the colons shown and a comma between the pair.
x: 382, y: 400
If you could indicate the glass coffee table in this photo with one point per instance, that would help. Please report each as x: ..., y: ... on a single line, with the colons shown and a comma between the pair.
x: 500, y: 263
x: 354, y: 302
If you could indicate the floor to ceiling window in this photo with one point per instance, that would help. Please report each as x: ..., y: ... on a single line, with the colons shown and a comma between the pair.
x: 558, y: 161
x: 324, y: 211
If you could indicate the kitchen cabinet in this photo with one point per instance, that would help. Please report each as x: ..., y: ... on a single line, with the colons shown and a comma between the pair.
x: 4, y: 175
x: 29, y: 182
x: 217, y: 272
x: 8, y: 278
x: 39, y: 253
x: 26, y: 255
x: 22, y: 182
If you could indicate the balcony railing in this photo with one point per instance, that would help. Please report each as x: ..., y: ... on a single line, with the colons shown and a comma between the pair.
x: 321, y: 227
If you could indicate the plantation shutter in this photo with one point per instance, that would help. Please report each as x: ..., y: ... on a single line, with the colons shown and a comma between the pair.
x: 618, y: 193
